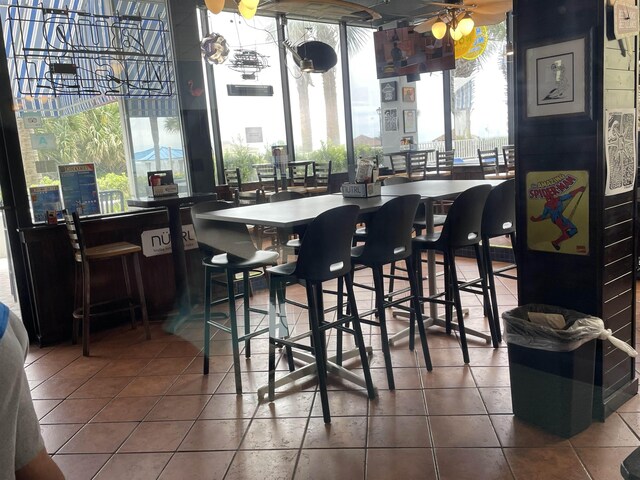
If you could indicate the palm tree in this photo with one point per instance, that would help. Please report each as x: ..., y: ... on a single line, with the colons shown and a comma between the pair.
x: 92, y: 136
x: 329, y: 34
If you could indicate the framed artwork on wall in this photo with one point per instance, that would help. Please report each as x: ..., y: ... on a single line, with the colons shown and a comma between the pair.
x: 408, y: 94
x: 389, y: 91
x: 557, y: 79
x: 391, y: 120
x: 410, y: 123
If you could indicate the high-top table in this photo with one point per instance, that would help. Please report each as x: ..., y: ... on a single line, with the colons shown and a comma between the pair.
x: 291, y: 213
x: 431, y: 191
x: 173, y: 203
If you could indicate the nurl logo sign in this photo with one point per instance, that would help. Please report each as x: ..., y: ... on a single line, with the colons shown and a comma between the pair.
x: 158, y: 241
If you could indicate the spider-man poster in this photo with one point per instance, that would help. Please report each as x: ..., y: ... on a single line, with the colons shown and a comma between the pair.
x: 558, y: 212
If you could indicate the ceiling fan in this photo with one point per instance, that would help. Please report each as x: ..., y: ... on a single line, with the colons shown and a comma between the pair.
x: 483, y: 12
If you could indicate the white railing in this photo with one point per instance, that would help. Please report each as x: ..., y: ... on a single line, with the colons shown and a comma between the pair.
x: 468, y: 148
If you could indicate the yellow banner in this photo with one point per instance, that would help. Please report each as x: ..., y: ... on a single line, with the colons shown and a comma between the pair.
x: 558, y: 212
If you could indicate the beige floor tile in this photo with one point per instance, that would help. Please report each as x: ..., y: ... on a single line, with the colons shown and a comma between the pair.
x: 274, y: 433
x: 197, y: 466
x: 473, y: 463
x: 266, y: 464
x: 408, y: 463
x: 134, y: 466
x: 398, y: 431
x: 325, y: 464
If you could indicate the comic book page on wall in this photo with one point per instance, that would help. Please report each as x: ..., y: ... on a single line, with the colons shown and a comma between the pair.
x: 558, y: 212
x: 621, y: 151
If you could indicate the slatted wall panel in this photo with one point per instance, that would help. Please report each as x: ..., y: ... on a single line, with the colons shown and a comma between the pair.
x: 618, y: 261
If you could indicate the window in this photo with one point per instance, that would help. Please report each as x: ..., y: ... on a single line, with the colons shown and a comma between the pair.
x: 479, y: 96
x: 249, y: 125
x: 317, y: 100
x: 365, y: 92
x: 430, y: 102
x: 123, y: 135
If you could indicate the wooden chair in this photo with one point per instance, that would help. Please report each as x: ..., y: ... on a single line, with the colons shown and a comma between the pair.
x: 322, y: 175
x: 398, y: 164
x: 488, y: 160
x: 444, y: 164
x: 234, y: 181
x: 298, y: 175
x: 267, y: 177
x: 84, y: 258
x: 417, y: 165
x: 509, y: 157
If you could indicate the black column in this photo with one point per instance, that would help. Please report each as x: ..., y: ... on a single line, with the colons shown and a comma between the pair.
x: 190, y: 87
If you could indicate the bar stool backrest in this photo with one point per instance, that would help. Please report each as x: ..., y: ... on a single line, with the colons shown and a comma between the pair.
x: 444, y: 162
x: 488, y: 160
x: 389, y: 231
x: 74, y: 230
x: 499, y: 215
x: 233, y: 178
x: 325, y: 252
x: 395, y: 180
x: 285, y: 195
x: 221, y: 237
x: 464, y: 219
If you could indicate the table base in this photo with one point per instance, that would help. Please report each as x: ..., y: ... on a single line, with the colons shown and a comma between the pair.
x: 438, y: 322
x: 311, y: 369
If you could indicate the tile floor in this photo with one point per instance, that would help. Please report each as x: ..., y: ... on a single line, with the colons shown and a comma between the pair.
x: 141, y: 409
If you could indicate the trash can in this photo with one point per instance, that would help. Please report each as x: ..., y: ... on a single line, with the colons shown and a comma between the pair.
x: 552, y: 370
x: 630, y: 468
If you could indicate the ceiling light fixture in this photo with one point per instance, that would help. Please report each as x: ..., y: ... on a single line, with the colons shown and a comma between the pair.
x: 457, y: 20
x: 246, y: 8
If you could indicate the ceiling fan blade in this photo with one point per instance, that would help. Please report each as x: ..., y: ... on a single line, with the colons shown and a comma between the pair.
x: 484, y: 19
x: 492, y: 6
x: 426, y: 25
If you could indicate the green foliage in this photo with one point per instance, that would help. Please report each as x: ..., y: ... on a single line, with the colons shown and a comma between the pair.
x: 239, y: 155
x: 113, y: 181
x: 93, y: 136
x: 337, y: 154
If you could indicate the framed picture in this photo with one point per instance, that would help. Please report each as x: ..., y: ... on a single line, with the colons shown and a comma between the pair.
x: 557, y: 79
x: 410, y: 123
x: 408, y: 94
x: 389, y: 91
x: 391, y: 120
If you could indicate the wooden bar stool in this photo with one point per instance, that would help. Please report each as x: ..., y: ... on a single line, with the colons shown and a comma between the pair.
x: 86, y: 256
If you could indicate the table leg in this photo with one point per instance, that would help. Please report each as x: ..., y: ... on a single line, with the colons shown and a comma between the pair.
x: 433, y: 318
x: 179, y: 265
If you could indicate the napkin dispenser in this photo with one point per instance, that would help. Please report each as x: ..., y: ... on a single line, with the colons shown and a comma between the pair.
x: 361, y: 190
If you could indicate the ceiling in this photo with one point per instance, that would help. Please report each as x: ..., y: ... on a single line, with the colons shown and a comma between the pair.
x: 355, y: 12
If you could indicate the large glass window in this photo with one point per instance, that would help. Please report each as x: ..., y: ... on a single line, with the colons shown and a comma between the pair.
x: 249, y: 125
x: 365, y: 92
x: 110, y: 109
x: 430, y: 102
x: 317, y: 100
x: 479, y: 95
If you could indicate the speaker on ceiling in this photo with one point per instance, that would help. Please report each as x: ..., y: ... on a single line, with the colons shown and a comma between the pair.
x: 323, y: 56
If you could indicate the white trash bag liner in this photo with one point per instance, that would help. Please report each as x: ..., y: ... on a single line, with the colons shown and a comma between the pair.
x: 579, y: 329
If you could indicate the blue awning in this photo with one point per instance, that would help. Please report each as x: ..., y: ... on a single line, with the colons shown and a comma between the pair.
x: 166, y: 153
x: 29, y: 31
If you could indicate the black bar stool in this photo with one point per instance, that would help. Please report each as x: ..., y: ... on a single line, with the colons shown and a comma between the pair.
x: 498, y: 219
x: 228, y: 249
x: 460, y: 229
x: 389, y: 240
x: 324, y: 255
